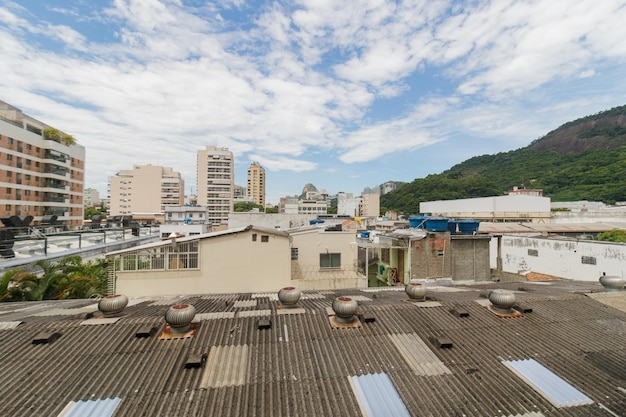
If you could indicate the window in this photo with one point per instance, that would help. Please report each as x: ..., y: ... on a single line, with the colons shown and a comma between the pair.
x: 10, y: 141
x: 254, y: 237
x: 385, y: 255
x: 9, y: 190
x: 9, y: 174
x: 27, y: 177
x: 9, y: 157
x: 588, y: 260
x: 265, y: 238
x: 330, y: 260
x: 7, y: 207
x: 533, y: 252
x: 294, y: 254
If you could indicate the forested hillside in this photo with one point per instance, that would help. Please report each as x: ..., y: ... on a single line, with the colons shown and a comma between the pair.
x: 582, y: 160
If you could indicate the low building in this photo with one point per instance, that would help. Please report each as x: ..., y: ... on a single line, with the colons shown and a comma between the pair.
x: 509, y: 208
x: 236, y: 260
x: 325, y: 258
x: 185, y: 221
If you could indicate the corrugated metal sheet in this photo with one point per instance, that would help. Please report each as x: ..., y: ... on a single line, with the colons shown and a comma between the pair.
x: 531, y: 414
x: 8, y: 325
x: 312, y: 296
x: 245, y: 303
x: 67, y: 311
x: 547, y: 383
x: 377, y: 396
x: 418, y: 355
x: 273, y: 296
x: 226, y: 366
x: 92, y: 408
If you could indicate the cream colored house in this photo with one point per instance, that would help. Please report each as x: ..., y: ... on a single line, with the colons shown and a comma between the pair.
x: 244, y: 260
x: 324, y: 259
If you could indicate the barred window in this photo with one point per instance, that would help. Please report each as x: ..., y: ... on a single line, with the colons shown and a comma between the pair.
x: 533, y: 252
x: 588, y: 260
x: 294, y: 254
x: 182, y: 256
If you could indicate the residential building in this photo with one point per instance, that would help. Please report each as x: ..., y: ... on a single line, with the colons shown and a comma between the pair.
x: 347, y: 204
x: 216, y: 182
x: 145, y: 191
x: 210, y: 263
x: 185, y: 221
x: 92, y: 198
x: 256, y: 183
x: 42, y: 170
x: 369, y: 205
x: 509, y: 208
x: 314, y: 207
x: 324, y: 258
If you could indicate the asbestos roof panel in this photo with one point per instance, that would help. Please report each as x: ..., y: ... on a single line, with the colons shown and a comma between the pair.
x: 377, y: 396
x: 418, y: 355
x: 8, y: 325
x: 547, y: 383
x: 225, y: 366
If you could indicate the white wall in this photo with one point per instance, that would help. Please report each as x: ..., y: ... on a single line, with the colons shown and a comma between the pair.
x: 508, y: 203
x: 560, y: 257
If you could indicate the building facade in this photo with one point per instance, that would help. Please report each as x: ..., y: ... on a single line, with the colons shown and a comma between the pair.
x: 256, y: 183
x: 216, y: 182
x: 42, y: 170
x: 145, y: 191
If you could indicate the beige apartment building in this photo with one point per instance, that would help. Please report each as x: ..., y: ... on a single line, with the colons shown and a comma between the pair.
x: 145, y: 191
x: 216, y: 182
x: 256, y: 183
x: 42, y: 170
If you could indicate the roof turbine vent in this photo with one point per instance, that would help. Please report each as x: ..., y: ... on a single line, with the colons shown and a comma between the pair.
x: 112, y: 305
x: 416, y: 291
x: 289, y: 297
x: 179, y: 317
x: 345, y: 308
x: 502, y: 300
x: 612, y: 283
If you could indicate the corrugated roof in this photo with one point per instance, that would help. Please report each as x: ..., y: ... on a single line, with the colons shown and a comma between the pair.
x: 558, y: 391
x: 377, y: 396
x: 301, y: 366
x: 7, y: 325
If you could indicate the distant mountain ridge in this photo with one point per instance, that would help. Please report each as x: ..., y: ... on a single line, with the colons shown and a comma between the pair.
x: 584, y: 159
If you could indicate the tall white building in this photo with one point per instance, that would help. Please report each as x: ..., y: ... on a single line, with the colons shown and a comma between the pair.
x: 144, y: 191
x: 216, y: 182
x: 256, y: 183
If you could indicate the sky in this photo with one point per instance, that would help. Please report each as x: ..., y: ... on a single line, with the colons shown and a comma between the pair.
x: 342, y: 94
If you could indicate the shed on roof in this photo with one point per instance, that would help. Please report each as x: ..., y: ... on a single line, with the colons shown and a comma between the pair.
x: 247, y: 259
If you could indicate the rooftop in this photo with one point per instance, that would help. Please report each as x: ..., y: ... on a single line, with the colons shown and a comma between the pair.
x: 447, y: 356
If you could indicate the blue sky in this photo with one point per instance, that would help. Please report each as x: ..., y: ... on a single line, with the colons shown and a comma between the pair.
x: 342, y: 94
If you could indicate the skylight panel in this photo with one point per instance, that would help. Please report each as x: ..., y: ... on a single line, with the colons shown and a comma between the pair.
x: 93, y: 408
x: 377, y: 396
x: 555, y: 389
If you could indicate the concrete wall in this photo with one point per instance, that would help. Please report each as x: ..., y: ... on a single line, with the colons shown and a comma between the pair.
x: 279, y: 221
x: 431, y: 257
x: 470, y: 258
x: 232, y: 263
x: 559, y: 257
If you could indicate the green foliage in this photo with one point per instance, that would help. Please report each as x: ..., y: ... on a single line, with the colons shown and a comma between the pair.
x: 609, y: 132
x: 246, y: 206
x: 92, y: 211
x: 58, y: 136
x: 44, y: 280
x: 271, y: 209
x: 615, y: 235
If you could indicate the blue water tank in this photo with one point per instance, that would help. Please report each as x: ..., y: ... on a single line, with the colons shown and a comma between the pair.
x: 452, y: 225
x: 364, y: 235
x: 437, y: 224
x: 416, y: 222
x: 468, y: 226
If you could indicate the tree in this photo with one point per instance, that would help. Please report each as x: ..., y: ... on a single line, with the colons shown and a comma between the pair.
x: 246, y: 206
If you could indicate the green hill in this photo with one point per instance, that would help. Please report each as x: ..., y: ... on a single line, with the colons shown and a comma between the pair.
x: 582, y: 160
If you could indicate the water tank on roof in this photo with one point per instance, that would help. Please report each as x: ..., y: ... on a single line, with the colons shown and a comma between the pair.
x: 416, y: 222
x: 452, y: 224
x: 437, y: 224
x: 468, y: 226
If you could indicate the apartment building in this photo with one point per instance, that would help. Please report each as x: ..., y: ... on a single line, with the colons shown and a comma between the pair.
x: 256, y: 183
x: 216, y: 182
x: 42, y: 170
x: 145, y: 191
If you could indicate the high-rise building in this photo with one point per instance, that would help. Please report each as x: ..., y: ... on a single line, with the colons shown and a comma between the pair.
x: 256, y: 183
x: 216, y: 182
x: 42, y: 170
x: 145, y: 191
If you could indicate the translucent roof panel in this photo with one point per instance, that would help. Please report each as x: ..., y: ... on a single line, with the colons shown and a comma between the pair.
x: 377, y: 396
x: 92, y: 408
x: 555, y: 389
